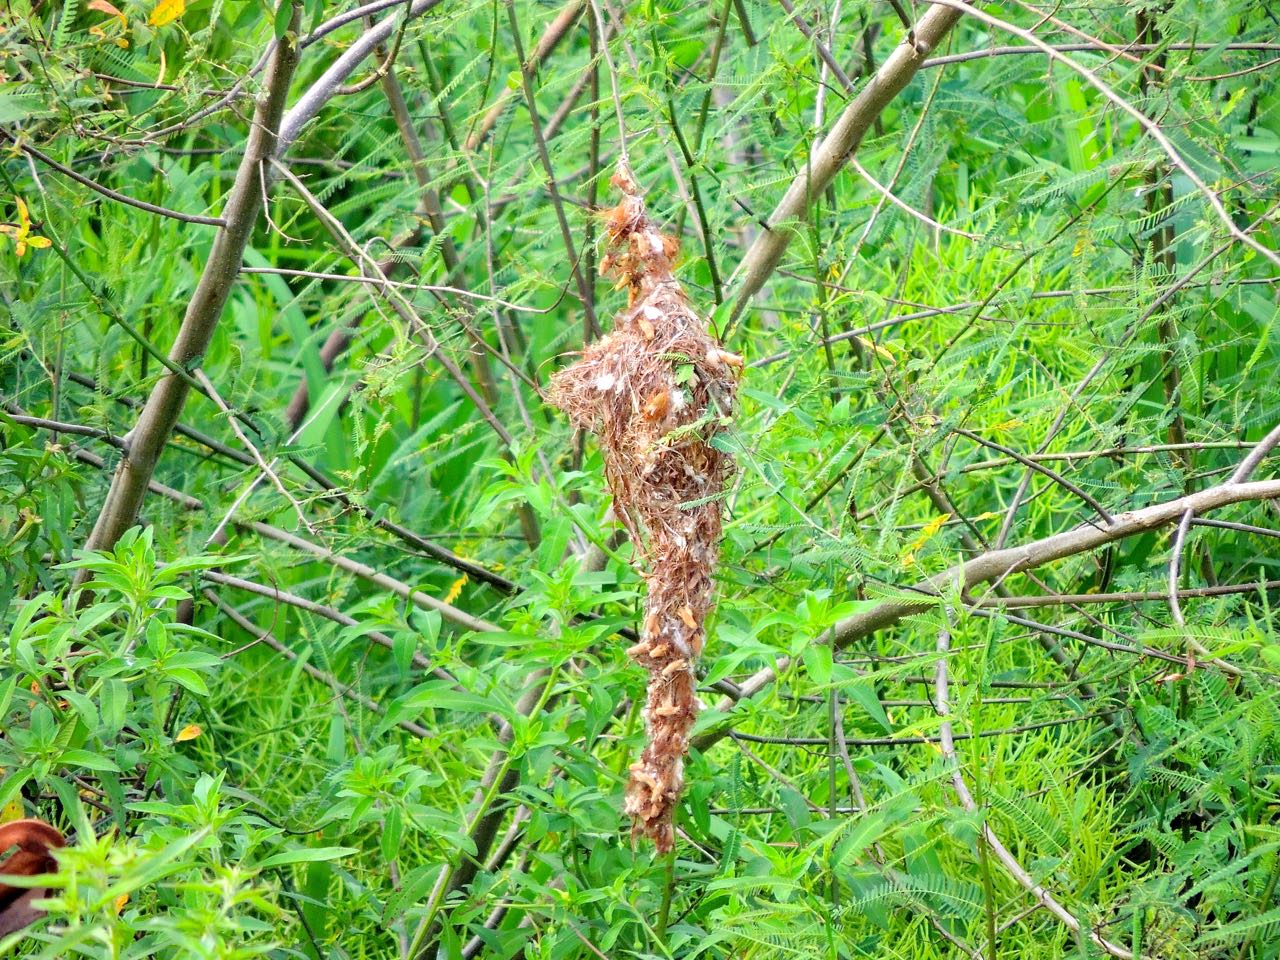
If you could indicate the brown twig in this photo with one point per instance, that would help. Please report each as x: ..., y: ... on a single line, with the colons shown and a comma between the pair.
x: 108, y: 192
x: 332, y: 682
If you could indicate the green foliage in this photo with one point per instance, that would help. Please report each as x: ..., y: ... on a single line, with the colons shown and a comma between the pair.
x: 380, y: 698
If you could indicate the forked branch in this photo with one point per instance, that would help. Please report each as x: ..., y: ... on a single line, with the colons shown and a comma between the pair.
x: 835, y: 149
x: 151, y: 432
x: 999, y: 564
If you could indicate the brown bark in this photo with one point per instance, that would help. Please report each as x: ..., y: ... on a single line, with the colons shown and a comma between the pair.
x: 835, y: 149
x: 149, y: 435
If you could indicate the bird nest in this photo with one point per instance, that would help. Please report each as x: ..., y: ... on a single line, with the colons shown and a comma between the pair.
x: 656, y: 392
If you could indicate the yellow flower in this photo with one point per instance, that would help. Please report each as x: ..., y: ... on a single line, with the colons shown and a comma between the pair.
x: 167, y: 11
x: 21, y: 232
x: 926, y: 533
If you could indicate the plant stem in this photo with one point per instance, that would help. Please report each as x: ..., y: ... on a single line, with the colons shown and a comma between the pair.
x: 668, y: 893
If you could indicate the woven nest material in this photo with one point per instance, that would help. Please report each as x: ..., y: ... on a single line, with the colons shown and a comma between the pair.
x: 655, y: 392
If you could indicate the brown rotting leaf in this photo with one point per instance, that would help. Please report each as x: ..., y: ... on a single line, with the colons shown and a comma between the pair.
x: 34, y: 841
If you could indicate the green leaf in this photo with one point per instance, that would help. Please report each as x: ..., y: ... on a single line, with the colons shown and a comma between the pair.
x: 863, y: 693
x: 306, y: 855
x: 88, y: 760
x: 188, y: 679
x: 817, y: 660
x: 284, y: 16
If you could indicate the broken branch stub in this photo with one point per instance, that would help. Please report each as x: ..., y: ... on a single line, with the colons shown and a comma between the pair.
x: 656, y: 391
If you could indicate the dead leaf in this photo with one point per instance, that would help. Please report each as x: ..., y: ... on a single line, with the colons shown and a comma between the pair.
x: 102, y: 6
x: 657, y: 405
x: 34, y: 840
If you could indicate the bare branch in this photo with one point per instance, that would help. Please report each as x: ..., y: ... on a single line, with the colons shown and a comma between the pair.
x: 830, y: 155
x: 265, y: 467
x: 1151, y: 128
x: 332, y: 682
x: 151, y: 432
x: 1089, y: 48
x: 108, y: 192
x: 999, y: 564
x: 1041, y: 469
x: 356, y: 254
x: 1007, y: 859
x: 423, y: 601
x: 1129, y: 596
x: 326, y: 87
x: 551, y: 36
x: 906, y: 207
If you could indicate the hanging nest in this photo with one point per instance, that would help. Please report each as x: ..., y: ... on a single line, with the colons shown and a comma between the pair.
x: 656, y: 391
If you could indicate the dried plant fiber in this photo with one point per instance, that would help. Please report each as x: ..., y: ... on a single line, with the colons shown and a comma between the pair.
x: 656, y: 391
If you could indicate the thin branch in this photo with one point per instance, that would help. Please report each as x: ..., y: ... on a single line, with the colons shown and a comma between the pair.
x: 907, y: 208
x: 1129, y: 596
x: 961, y: 307
x: 332, y: 682
x: 604, y: 34
x: 1007, y: 859
x: 1175, y: 561
x: 108, y: 192
x: 1071, y: 456
x: 1259, y: 453
x: 320, y: 552
x: 1238, y: 527
x: 357, y: 255
x: 500, y: 777
x: 331, y: 491
x: 1000, y: 564
x: 1006, y: 51
x: 554, y: 32
x: 917, y: 740
x: 327, y: 85
x: 399, y: 285
x: 1148, y: 126
x: 419, y: 660
x: 382, y: 69
x: 821, y: 48
x: 1039, y: 468
x: 1164, y: 297
x: 253, y: 451
x: 553, y: 191
x: 829, y: 156
x: 342, y: 19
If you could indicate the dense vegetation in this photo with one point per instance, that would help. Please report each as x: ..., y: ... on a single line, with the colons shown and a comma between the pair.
x: 314, y: 613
